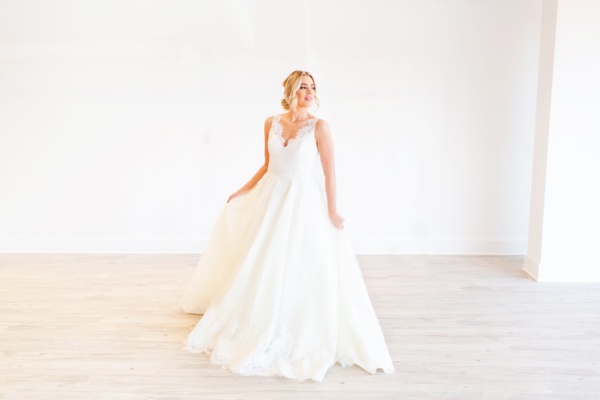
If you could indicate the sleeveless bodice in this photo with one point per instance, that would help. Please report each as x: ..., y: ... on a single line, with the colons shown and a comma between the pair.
x: 296, y: 157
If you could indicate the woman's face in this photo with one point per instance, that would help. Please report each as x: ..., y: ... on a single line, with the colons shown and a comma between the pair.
x: 306, y: 92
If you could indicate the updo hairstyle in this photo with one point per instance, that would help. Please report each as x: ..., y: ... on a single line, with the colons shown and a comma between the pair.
x: 291, y: 84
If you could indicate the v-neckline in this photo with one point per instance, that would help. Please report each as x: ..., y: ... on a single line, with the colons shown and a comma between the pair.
x: 285, y: 142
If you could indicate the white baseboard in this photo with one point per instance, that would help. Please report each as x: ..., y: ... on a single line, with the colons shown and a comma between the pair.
x: 440, y: 247
x: 173, y: 246
x: 102, y: 246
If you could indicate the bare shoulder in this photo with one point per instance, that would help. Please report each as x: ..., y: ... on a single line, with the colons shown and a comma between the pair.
x: 268, y: 123
x: 322, y: 129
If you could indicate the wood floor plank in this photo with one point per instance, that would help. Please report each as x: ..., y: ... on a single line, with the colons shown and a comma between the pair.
x: 458, y: 327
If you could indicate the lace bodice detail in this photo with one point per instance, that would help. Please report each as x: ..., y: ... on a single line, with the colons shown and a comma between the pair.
x: 294, y: 158
x: 277, y: 129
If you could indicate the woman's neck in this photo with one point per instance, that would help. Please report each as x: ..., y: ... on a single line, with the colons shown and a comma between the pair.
x: 301, y: 114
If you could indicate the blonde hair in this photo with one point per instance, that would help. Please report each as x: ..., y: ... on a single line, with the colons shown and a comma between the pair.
x: 291, y: 84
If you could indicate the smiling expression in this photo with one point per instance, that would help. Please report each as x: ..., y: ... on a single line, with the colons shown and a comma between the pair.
x: 306, y: 92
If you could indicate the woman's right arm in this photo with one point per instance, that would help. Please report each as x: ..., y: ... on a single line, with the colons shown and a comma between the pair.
x: 262, y: 170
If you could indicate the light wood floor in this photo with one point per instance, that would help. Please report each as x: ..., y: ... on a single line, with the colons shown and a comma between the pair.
x: 108, y: 327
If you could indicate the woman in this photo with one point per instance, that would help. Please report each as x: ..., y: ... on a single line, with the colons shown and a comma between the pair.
x: 279, y: 286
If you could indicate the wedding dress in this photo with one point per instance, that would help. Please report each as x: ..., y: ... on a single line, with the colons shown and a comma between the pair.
x: 279, y: 287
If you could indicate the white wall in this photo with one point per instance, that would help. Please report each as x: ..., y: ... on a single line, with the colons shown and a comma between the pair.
x: 564, y: 233
x: 125, y: 125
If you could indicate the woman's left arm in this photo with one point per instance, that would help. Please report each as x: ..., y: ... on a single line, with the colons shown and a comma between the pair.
x: 325, y: 145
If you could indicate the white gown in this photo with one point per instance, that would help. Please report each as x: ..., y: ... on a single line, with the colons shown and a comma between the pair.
x: 280, y: 288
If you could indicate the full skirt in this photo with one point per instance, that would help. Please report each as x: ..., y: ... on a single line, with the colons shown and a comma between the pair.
x: 281, y: 290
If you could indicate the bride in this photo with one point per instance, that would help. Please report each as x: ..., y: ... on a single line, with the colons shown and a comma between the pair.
x: 279, y: 287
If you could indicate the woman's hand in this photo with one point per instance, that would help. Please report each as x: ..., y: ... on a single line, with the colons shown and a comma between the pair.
x: 236, y: 194
x: 336, y: 219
